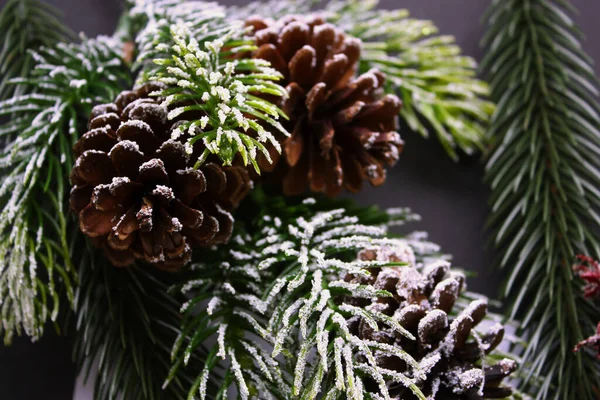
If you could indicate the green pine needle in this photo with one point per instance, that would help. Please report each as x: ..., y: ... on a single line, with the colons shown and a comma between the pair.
x: 126, y: 323
x: 26, y: 25
x: 241, y: 295
x: 35, y: 235
x: 544, y: 174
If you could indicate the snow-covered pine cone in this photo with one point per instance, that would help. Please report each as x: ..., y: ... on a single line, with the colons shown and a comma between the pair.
x: 135, y: 189
x: 343, y: 128
x: 447, y: 347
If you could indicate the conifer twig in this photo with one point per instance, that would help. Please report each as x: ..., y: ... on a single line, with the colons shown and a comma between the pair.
x: 36, y: 268
x: 26, y: 25
x: 275, y: 297
x: 544, y: 174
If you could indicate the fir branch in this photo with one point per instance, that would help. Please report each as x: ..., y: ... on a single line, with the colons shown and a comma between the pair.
x: 243, y: 289
x: 221, y: 310
x: 223, y: 90
x: 26, y: 25
x: 276, y: 8
x: 436, y: 83
x: 275, y: 289
x: 204, y: 62
x: 544, y: 174
x: 150, y: 21
x: 35, y: 260
x: 306, y: 316
x: 126, y: 323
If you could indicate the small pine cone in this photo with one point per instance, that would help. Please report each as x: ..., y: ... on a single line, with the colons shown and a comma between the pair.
x: 343, y: 128
x: 445, y: 348
x: 135, y: 189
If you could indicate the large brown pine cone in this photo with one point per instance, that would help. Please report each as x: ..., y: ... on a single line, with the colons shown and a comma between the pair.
x: 135, y: 189
x: 344, y: 128
x: 446, y: 346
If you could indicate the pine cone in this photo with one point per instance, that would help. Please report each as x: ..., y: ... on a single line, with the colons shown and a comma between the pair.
x: 136, y: 191
x: 343, y: 127
x: 422, y: 303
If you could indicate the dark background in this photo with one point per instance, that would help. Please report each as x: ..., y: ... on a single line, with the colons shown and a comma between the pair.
x: 449, y: 196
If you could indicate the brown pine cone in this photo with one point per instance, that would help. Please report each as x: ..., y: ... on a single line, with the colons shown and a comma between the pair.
x: 343, y: 128
x: 447, y: 349
x: 135, y: 189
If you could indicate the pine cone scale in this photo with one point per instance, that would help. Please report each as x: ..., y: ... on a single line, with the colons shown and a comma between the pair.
x: 205, y: 232
x: 293, y: 146
x: 269, y: 53
x: 123, y: 231
x: 348, y: 114
x: 127, y: 158
x: 302, y: 67
x: 189, y: 218
x: 93, y: 167
x: 101, y: 138
x: 173, y: 155
x: 293, y: 37
x: 326, y: 134
x: 80, y: 198
x: 353, y: 173
x: 188, y: 184
x: 141, y: 133
x: 317, y: 179
x: 315, y: 98
x: 94, y: 222
x: 323, y: 41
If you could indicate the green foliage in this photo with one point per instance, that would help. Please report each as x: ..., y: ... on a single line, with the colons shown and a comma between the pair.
x: 545, y: 174
x: 218, y: 89
x: 25, y: 25
x: 211, y: 79
x: 276, y: 8
x: 272, y: 297
x: 149, y: 22
x: 250, y: 286
x: 436, y: 83
x: 35, y: 254
x: 271, y: 300
x: 239, y: 355
x: 126, y: 323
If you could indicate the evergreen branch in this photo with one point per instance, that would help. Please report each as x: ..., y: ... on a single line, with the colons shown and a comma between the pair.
x: 126, y: 323
x: 35, y: 261
x: 204, y: 62
x: 277, y: 9
x: 276, y: 289
x: 233, y: 298
x: 221, y: 310
x: 307, y: 315
x: 218, y: 95
x: 150, y: 22
x: 26, y: 25
x: 436, y: 83
x: 544, y: 176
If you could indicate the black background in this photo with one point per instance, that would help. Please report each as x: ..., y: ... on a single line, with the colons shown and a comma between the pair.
x: 449, y: 196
